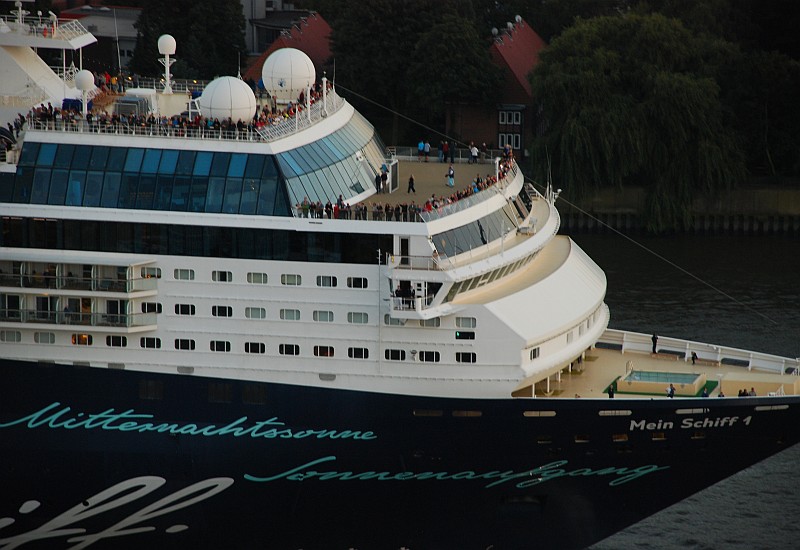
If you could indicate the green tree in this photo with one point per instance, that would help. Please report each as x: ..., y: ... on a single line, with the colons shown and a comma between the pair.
x: 209, y: 36
x: 634, y: 100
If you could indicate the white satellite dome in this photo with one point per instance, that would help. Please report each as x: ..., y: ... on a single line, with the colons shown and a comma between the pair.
x: 84, y: 80
x: 287, y: 72
x: 227, y: 96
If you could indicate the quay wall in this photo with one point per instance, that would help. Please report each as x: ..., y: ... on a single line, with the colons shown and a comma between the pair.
x: 759, y: 210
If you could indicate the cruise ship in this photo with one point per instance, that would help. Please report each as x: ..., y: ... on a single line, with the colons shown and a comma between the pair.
x: 192, y: 356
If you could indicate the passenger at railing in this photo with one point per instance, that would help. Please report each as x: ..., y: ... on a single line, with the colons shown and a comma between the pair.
x: 389, y: 211
x: 445, y: 151
x: 329, y: 209
x: 378, y: 186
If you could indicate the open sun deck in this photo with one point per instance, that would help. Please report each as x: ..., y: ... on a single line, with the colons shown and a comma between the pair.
x: 650, y: 374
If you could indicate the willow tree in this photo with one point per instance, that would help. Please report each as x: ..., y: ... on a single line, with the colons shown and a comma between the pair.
x: 633, y: 100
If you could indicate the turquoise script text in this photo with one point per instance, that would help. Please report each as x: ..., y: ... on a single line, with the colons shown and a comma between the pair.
x: 54, y: 416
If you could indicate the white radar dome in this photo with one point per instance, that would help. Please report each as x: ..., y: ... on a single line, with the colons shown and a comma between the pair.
x: 228, y: 96
x: 287, y: 72
x: 84, y: 80
x: 166, y: 45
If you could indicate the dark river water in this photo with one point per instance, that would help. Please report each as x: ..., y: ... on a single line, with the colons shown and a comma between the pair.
x: 739, y: 291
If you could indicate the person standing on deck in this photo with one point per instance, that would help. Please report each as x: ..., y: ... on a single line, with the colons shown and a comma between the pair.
x: 420, y: 149
x: 427, y: 149
x: 451, y: 175
x: 654, y: 338
x: 411, y: 185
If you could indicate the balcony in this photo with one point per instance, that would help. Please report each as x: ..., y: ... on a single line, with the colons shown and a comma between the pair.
x: 68, y: 318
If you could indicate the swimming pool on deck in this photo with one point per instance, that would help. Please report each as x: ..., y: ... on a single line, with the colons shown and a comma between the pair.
x: 656, y: 382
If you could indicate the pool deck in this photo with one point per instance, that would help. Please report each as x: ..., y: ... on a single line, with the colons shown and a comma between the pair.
x: 601, y: 367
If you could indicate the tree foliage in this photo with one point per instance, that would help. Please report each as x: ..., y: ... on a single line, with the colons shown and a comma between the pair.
x: 209, y: 34
x: 634, y: 100
x: 411, y: 57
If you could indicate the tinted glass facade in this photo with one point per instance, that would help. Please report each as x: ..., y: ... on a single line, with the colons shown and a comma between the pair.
x: 179, y: 240
x: 146, y: 179
x: 477, y: 233
x: 342, y: 163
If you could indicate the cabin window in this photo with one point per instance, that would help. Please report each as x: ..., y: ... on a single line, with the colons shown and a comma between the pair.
x: 184, y: 274
x: 10, y: 336
x: 389, y: 320
x: 291, y: 279
x: 358, y: 317
x: 323, y: 351
x: 151, y: 390
x: 358, y: 353
x: 253, y: 394
x: 326, y: 280
x: 151, y: 307
x: 323, y: 316
x: 357, y: 282
x: 184, y: 309
x: 289, y: 349
x: 434, y: 322
x: 255, y: 347
x: 534, y: 353
x: 395, y: 354
x: 257, y: 278
x: 290, y: 314
x: 81, y: 339
x: 148, y: 342
x: 465, y: 335
x: 220, y: 392
x: 255, y: 313
x: 429, y: 356
x: 117, y: 341
x: 465, y: 357
x: 44, y: 337
x: 466, y: 322
x: 220, y: 345
x: 222, y: 311
x: 221, y: 276
x: 151, y: 272
x: 186, y: 344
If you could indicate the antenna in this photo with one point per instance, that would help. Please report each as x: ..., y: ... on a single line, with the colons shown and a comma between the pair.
x: 166, y: 47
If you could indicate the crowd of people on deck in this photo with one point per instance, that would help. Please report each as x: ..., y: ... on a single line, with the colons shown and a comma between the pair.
x: 271, y: 114
x: 404, y: 211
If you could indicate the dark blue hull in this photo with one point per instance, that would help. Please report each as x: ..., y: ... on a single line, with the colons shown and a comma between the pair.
x: 114, y: 459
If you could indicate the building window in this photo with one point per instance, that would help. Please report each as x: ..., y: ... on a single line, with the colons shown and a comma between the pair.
x: 184, y: 274
x: 151, y: 307
x: 148, y: 342
x: 389, y: 320
x: 184, y: 344
x: 220, y: 345
x: 465, y: 357
x: 222, y: 311
x: 151, y: 272
x: 81, y: 339
x: 357, y: 282
x: 255, y: 347
x: 517, y: 117
x: 534, y: 353
x: 395, y: 354
x: 465, y: 335
x: 290, y: 314
x: 117, y: 341
x: 429, y: 356
x: 289, y: 349
x: 323, y: 316
x: 291, y: 279
x: 255, y: 313
x: 466, y: 322
x: 517, y: 143
x: 434, y: 322
x: 323, y: 351
x: 358, y: 353
x: 326, y: 280
x: 570, y: 335
x: 184, y: 309
x: 44, y: 337
x: 221, y: 276
x: 10, y: 336
x: 257, y: 278
x: 357, y: 317
x: 502, y: 117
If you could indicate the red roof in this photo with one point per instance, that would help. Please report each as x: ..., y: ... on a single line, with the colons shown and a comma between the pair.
x: 517, y: 50
x: 311, y: 36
